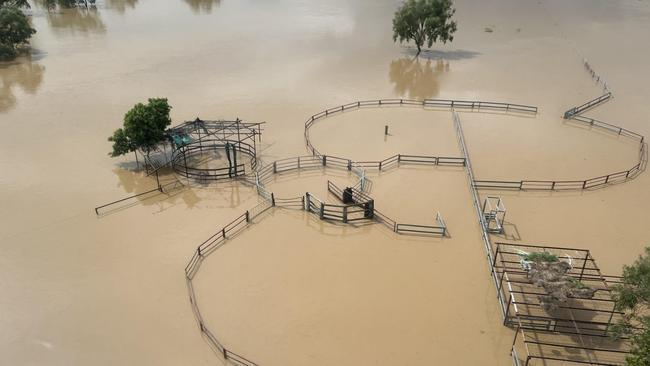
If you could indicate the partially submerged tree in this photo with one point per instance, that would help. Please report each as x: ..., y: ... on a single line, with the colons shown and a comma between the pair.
x: 633, y: 299
x: 423, y: 21
x: 144, y: 128
x: 15, y: 31
x: 547, y: 271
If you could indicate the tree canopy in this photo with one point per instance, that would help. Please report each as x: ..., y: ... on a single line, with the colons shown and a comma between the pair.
x: 15, y: 30
x: 423, y: 21
x: 144, y: 127
x: 16, y: 3
x: 633, y: 298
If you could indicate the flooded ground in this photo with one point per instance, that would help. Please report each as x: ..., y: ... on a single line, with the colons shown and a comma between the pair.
x: 292, y: 290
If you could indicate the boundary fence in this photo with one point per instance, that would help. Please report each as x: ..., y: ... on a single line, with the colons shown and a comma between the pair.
x: 588, y: 105
x: 573, y: 114
x: 430, y: 103
x: 191, y: 269
x: 160, y: 189
x: 485, y: 236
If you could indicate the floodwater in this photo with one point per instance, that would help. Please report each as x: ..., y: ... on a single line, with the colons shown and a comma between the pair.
x: 291, y: 290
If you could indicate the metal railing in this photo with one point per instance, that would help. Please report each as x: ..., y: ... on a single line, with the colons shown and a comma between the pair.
x: 430, y: 103
x: 573, y: 114
x: 485, y: 236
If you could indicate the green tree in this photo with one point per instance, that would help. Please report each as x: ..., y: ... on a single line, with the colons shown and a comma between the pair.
x: 121, y: 143
x: 423, y: 21
x: 144, y: 127
x: 633, y: 299
x: 15, y: 31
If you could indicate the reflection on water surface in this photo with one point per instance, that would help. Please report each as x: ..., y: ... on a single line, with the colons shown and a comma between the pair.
x: 23, y: 74
x: 415, y: 78
x: 203, y: 6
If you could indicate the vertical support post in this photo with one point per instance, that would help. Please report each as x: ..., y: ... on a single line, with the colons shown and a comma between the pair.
x: 158, y: 182
x: 345, y: 214
x: 199, y: 131
x: 238, y: 135
x: 275, y: 167
x: 380, y: 166
x: 324, y: 160
x: 254, y: 144
x: 234, y: 158
x: 187, y: 174
x: 349, y: 164
x: 223, y: 232
x: 386, y: 130
x: 307, y: 202
x: 229, y: 160
x: 248, y: 216
x: 225, y: 353
x: 505, y: 317
x: 322, y: 210
x: 299, y: 163
x: 584, y: 265
x: 272, y: 199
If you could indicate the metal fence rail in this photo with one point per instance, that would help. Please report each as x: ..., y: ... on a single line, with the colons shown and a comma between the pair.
x: 485, y: 236
x: 191, y: 269
x: 180, y: 156
x: 427, y: 103
x: 588, y: 105
x: 573, y: 114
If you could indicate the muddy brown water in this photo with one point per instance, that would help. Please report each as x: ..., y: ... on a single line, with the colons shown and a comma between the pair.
x: 292, y: 290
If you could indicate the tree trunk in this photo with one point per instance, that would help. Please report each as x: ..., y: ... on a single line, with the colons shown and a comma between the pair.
x: 419, y: 50
x: 137, y: 162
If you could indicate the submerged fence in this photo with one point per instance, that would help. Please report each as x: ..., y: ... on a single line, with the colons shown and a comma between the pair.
x: 573, y: 114
x: 362, y: 199
x: 426, y: 103
x: 485, y: 236
x: 204, y: 249
x: 182, y: 164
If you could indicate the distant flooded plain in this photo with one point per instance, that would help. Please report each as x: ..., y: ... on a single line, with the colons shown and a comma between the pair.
x: 293, y: 290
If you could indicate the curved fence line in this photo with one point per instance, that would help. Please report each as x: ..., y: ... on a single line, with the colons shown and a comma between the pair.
x: 595, y: 182
x: 431, y: 103
x: 523, y: 184
x: 181, y: 154
x: 191, y: 269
